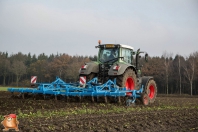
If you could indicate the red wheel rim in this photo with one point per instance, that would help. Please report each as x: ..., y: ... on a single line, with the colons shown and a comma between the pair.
x: 130, y: 85
x: 152, y: 91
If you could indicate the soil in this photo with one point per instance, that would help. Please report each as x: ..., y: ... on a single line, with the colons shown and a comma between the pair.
x: 180, y: 114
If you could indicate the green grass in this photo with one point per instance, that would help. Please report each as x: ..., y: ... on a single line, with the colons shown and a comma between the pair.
x: 86, y: 110
x: 6, y: 88
x: 3, y: 88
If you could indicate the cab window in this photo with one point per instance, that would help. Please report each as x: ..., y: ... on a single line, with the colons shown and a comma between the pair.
x: 126, y: 53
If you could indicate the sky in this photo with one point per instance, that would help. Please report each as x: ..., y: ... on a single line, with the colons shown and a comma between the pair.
x: 74, y: 26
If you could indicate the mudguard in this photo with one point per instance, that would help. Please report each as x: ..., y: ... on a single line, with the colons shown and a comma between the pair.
x: 121, y: 70
x: 92, y: 67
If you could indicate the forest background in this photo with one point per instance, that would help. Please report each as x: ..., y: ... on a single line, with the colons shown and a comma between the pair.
x: 173, y: 74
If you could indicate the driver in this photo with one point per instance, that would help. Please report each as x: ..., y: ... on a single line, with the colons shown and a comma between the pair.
x: 113, y: 55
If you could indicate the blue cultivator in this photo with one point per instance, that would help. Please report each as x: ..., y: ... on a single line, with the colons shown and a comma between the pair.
x: 92, y: 89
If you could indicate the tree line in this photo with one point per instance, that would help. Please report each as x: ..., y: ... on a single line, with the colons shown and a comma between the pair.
x: 173, y: 75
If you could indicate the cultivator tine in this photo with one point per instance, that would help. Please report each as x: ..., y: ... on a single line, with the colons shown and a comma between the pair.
x: 92, y: 99
x: 67, y: 98
x: 80, y: 99
x: 23, y: 95
x: 97, y: 99
x: 34, y: 96
x: 44, y: 96
x: 119, y: 100
x: 105, y: 98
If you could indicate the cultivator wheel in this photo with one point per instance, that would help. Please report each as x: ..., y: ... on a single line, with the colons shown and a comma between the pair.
x: 151, y: 90
x: 145, y: 98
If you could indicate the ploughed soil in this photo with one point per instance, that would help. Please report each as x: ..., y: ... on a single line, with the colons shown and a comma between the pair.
x: 168, y: 113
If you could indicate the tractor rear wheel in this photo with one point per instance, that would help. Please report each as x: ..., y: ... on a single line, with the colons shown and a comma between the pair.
x: 127, y: 80
x: 151, y: 90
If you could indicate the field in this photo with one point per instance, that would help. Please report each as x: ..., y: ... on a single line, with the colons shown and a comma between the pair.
x: 168, y: 113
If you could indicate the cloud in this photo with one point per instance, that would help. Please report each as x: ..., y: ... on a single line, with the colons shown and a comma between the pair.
x: 55, y: 27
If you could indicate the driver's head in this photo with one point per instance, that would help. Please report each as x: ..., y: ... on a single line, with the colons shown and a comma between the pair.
x: 113, y: 52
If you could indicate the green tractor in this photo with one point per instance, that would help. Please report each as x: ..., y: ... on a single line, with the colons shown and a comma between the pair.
x: 121, y: 62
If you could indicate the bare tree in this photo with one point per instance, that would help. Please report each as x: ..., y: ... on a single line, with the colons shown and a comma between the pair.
x: 6, y: 70
x: 190, y: 70
x: 179, y: 70
x: 19, y: 69
x: 167, y: 56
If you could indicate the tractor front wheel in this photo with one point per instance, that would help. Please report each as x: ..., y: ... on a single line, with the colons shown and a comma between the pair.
x: 151, y: 90
x: 145, y: 99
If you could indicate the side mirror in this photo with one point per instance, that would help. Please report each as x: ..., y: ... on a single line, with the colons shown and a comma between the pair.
x: 132, y: 53
x: 146, y: 57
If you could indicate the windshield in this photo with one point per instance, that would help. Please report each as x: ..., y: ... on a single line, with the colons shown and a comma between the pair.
x: 108, y: 54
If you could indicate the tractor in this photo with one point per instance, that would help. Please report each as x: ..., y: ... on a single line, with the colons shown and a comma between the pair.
x: 116, y: 74
x: 120, y: 62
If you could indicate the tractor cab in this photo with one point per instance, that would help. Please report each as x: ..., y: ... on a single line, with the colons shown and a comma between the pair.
x: 111, y: 53
x: 113, y: 59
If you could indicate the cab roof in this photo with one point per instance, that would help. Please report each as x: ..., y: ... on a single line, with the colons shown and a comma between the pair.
x: 126, y: 46
x: 121, y: 45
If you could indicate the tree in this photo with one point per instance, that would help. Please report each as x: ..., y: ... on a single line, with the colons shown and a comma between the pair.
x: 6, y: 70
x: 40, y: 69
x: 167, y: 60
x: 177, y: 71
x: 190, y: 70
x: 59, y: 65
x: 154, y: 67
x: 4, y: 66
x: 19, y: 69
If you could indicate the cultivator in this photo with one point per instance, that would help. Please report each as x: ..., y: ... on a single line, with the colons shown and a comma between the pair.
x: 92, y: 89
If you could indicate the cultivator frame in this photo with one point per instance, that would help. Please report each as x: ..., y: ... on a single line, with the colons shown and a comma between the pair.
x: 92, y: 89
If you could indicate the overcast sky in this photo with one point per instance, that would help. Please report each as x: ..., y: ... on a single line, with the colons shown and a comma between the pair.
x: 75, y: 26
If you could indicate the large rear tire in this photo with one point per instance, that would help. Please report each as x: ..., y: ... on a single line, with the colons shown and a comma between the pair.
x: 128, y: 80
x: 151, y: 90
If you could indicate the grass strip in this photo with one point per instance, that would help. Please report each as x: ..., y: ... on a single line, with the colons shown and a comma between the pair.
x: 3, y: 88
